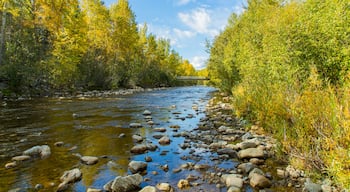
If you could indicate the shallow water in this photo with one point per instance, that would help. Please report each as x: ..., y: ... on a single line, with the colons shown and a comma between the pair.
x: 94, y: 130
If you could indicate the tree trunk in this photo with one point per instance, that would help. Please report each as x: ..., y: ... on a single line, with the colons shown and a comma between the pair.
x: 2, y: 37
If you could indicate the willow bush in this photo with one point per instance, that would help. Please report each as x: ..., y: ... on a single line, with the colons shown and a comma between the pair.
x: 287, y: 65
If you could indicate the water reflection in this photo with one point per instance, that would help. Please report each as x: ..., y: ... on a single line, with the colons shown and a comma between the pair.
x: 92, y: 127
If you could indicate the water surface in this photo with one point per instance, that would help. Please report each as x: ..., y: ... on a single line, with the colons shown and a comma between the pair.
x: 92, y: 127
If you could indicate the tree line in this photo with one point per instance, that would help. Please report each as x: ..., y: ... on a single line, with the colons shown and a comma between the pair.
x: 50, y: 45
x: 287, y: 65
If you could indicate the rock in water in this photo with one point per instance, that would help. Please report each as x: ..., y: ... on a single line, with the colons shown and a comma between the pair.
x: 149, y: 189
x: 165, y: 187
x: 147, y: 112
x: 165, y: 140
x: 183, y: 183
x: 89, y: 160
x: 70, y: 176
x: 21, y: 158
x: 135, y: 125
x: 43, y: 151
x: 137, y: 166
x: 126, y: 184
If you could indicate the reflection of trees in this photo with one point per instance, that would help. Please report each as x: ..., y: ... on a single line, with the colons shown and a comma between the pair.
x: 100, y: 142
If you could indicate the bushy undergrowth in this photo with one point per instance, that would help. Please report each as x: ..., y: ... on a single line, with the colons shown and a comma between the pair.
x: 287, y: 66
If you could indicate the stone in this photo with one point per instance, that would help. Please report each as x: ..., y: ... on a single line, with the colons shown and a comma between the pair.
x: 177, y: 170
x: 234, y: 189
x: 126, y: 184
x: 135, y: 125
x: 89, y: 160
x: 139, y: 149
x: 122, y: 135
x: 251, y: 153
x: 68, y: 177
x: 165, y: 187
x: 160, y: 129
x: 149, y: 189
x: 183, y: 183
x: 137, y: 138
x: 247, y: 144
x: 71, y: 176
x: 259, y: 181
x: 93, y: 190
x: 247, y: 136
x: 232, y: 180
x: 43, y: 151
x: 255, y: 170
x: 165, y: 140
x: 59, y: 144
x: 39, y: 186
x: 151, y: 147
x: 148, y: 159
x: 21, y: 158
x: 201, y: 167
x: 137, y: 166
x: 10, y: 165
x: 147, y: 112
x: 246, y: 167
x: 230, y: 152
x: 282, y: 173
x: 256, y: 161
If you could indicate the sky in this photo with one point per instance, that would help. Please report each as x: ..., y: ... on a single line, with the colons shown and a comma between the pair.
x: 186, y: 23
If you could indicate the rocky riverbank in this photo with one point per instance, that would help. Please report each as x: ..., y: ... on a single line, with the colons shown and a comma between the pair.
x: 219, y: 137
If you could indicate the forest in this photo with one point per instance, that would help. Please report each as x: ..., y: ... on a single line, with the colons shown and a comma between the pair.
x: 287, y: 65
x: 70, y: 45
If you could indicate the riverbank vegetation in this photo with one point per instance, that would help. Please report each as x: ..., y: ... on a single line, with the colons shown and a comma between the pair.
x: 72, y: 44
x: 287, y: 65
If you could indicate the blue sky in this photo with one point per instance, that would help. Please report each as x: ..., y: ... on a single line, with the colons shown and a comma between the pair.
x: 186, y: 23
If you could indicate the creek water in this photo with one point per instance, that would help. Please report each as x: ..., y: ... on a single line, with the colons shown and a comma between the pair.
x: 92, y: 126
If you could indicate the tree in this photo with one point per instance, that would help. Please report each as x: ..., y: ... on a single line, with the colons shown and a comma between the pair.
x: 125, y: 45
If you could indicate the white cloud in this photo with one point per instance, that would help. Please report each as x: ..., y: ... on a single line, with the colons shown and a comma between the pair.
x: 183, y: 2
x: 201, y: 20
x: 198, y: 19
x: 199, y: 62
x: 183, y: 33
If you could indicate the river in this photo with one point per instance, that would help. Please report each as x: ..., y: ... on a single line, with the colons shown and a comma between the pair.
x: 92, y: 126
